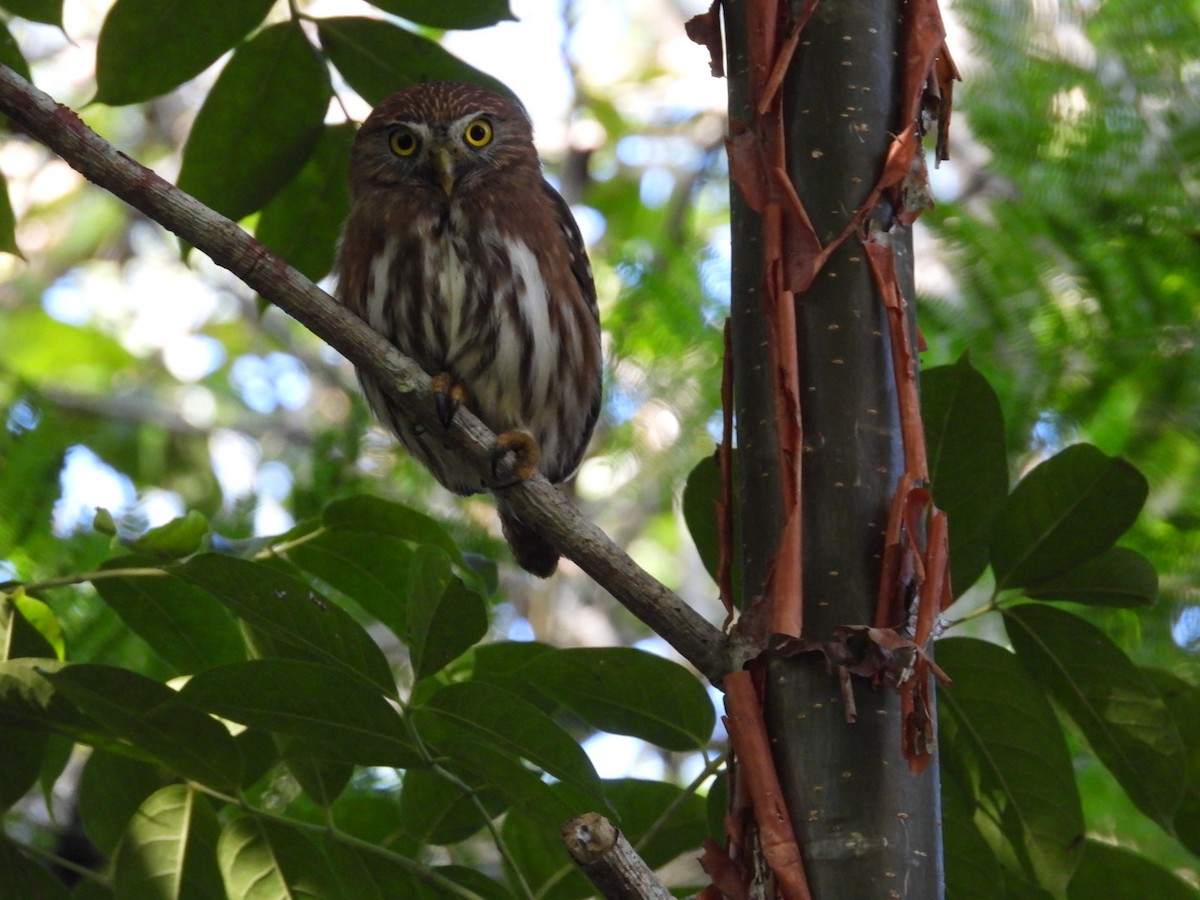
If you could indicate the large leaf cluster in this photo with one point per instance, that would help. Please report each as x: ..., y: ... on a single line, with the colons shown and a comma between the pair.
x: 260, y: 142
x: 1014, y: 817
x: 274, y: 681
x: 1015, y: 825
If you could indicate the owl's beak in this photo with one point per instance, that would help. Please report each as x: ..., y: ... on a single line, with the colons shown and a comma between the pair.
x: 443, y: 164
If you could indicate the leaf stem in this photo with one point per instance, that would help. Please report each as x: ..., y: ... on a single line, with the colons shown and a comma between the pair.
x: 63, y: 863
x: 672, y: 807
x: 98, y: 575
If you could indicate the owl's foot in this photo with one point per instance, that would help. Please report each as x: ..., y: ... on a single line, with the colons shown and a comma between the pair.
x: 448, y: 396
x: 522, y: 445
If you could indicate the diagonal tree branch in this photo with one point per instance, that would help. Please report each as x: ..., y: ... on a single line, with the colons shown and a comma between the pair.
x: 536, y: 501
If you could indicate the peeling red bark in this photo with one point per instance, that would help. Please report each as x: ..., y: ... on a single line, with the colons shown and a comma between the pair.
x: 748, y: 737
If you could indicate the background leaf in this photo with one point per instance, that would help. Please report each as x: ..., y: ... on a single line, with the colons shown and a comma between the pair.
x: 187, y: 35
x: 461, y: 14
x: 1183, y: 701
x: 1002, y: 733
x: 260, y: 858
x: 24, y: 878
x: 968, y: 462
x: 1117, y: 577
x: 627, y: 691
x: 377, y: 58
x: 445, y: 617
x: 8, y: 222
x: 184, y: 624
x: 259, y: 124
x: 1069, y: 509
x: 111, y: 789
x: 483, y: 714
x: 1116, y: 873
x: 365, y: 514
x: 154, y: 718
x: 302, y: 221
x: 335, y: 716
x: 169, y: 849
x: 48, y: 12
x: 302, y: 623
x: 1113, y: 703
x: 434, y: 810
x: 368, y: 568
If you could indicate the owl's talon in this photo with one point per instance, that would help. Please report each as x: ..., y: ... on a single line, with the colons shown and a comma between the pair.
x: 448, y: 396
x: 522, y: 445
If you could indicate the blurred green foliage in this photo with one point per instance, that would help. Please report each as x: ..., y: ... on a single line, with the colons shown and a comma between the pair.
x: 1066, y: 227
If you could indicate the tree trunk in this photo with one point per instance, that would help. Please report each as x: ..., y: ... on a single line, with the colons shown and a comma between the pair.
x: 865, y: 826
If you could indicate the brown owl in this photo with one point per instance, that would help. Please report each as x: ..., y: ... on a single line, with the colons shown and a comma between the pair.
x: 458, y: 252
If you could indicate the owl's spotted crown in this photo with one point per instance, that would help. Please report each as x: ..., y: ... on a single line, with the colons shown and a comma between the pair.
x: 441, y: 134
x: 445, y: 101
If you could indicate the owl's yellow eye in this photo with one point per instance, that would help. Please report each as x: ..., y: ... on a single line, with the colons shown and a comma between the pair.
x: 478, y: 133
x: 403, y: 143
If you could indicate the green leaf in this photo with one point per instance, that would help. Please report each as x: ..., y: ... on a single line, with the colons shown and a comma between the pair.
x: 261, y: 858
x: 48, y: 12
x: 700, y: 495
x: 439, y: 14
x: 33, y: 458
x: 50, y: 353
x: 366, y: 876
x: 968, y: 466
x: 1115, y: 873
x: 178, y: 538
x: 437, y: 811
x: 364, y: 514
x: 335, y: 716
x: 304, y: 219
x: 8, y: 220
x: 43, y: 620
x: 1183, y: 700
x: 997, y: 725
x: 1117, y: 577
x: 111, y: 789
x: 972, y: 869
x: 24, y: 753
x: 25, y: 879
x: 259, y: 123
x: 378, y: 58
x: 303, y: 624
x: 1107, y: 696
x: 184, y: 624
x: 445, y: 617
x: 29, y: 700
x: 508, y: 725
x: 369, y: 569
x: 19, y: 637
x: 717, y: 804
x: 1069, y: 509
x: 640, y: 804
x: 505, y: 659
x: 627, y: 691
x: 11, y: 56
x: 187, y: 36
x: 154, y: 718
x: 169, y: 849
x: 322, y: 781
x: 538, y: 852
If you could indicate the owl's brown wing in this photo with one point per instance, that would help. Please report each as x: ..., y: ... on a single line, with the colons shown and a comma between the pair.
x: 581, y: 268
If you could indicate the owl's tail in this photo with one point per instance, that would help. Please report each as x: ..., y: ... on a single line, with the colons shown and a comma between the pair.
x: 532, y: 552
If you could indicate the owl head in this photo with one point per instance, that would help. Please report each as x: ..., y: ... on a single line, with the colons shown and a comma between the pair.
x: 444, y: 138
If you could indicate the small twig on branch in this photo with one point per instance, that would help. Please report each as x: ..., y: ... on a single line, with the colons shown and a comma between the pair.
x: 609, y: 860
x: 227, y: 244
